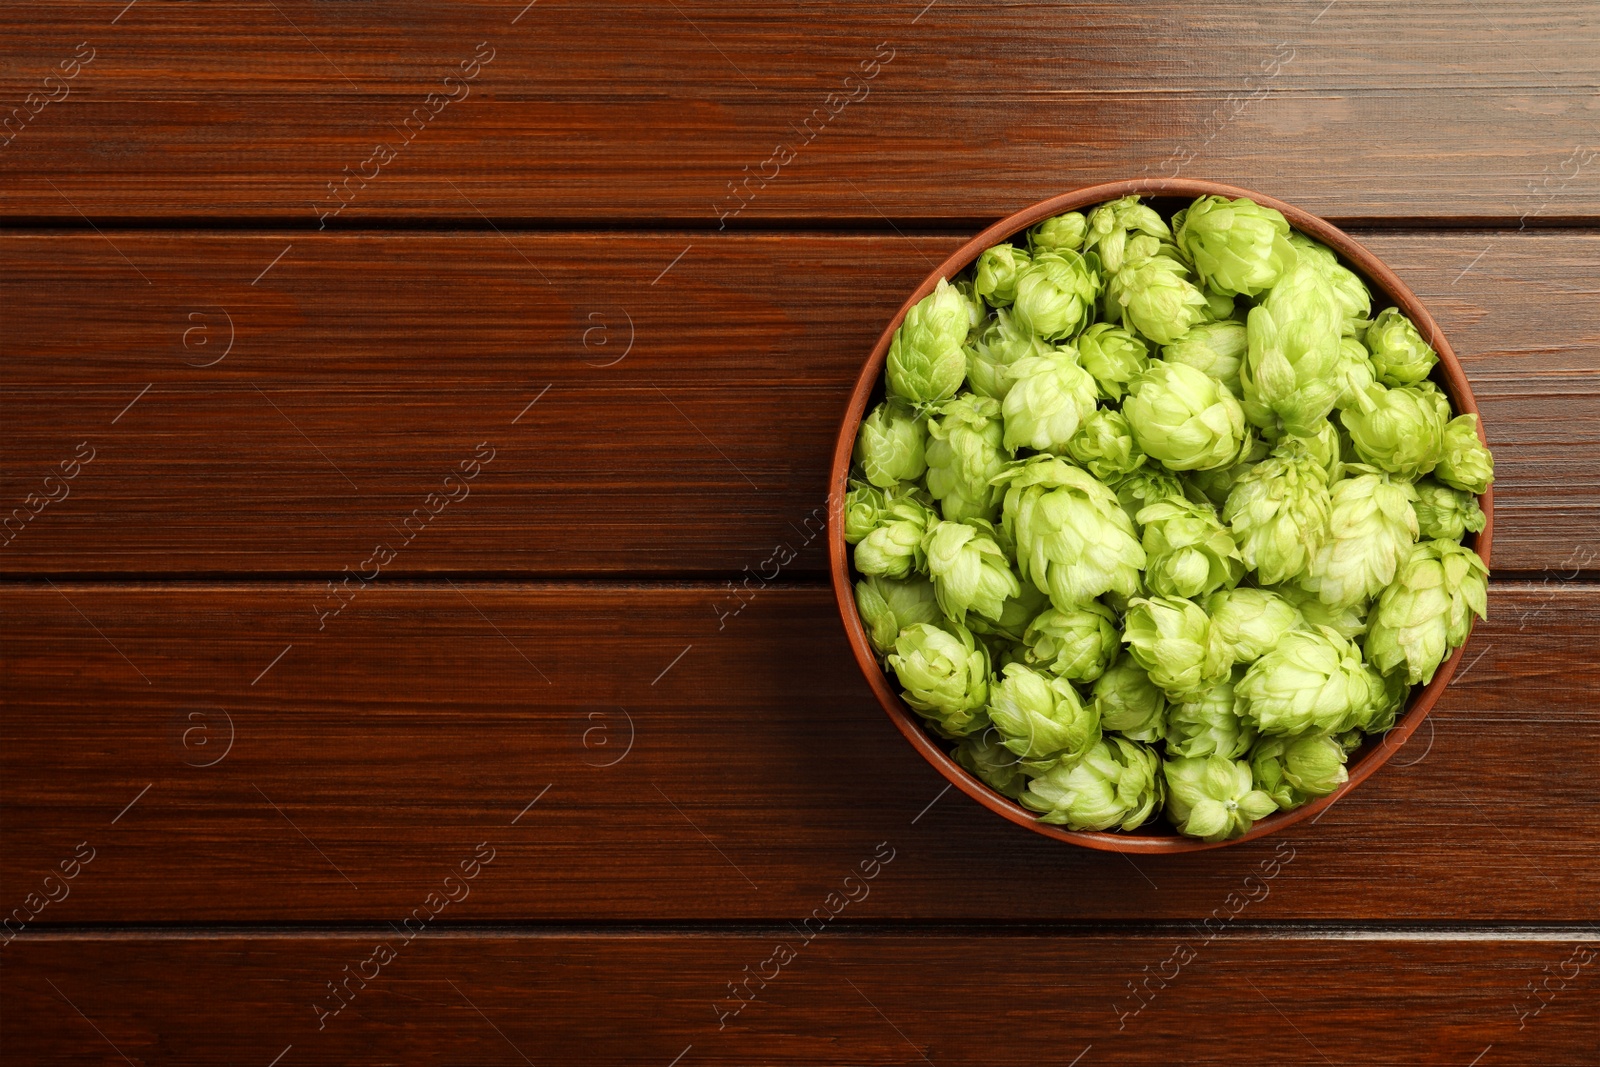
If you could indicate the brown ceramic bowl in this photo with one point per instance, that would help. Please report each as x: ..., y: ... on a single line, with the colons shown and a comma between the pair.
x: 1167, y: 195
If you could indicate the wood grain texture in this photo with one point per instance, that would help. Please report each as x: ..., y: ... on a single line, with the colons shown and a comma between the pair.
x: 635, y: 48
x: 694, y: 390
x: 749, y: 768
x: 649, y: 111
x: 842, y: 998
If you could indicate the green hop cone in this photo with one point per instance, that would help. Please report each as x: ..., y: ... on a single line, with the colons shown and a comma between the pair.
x: 1040, y: 716
x: 945, y: 673
x: 1292, y: 770
x: 1385, y: 697
x: 1371, y: 529
x: 1464, y: 461
x: 891, y: 445
x: 1104, y: 445
x: 998, y: 346
x: 1154, y: 295
x: 1399, y: 430
x: 1141, y: 247
x: 970, y: 571
x: 995, y: 278
x: 1355, y: 300
x: 1170, y: 637
x: 1077, y: 644
x: 1055, y: 294
x: 1117, y: 783
x: 1238, y: 247
x: 1220, y: 308
x: 1214, y: 348
x: 1111, y: 225
x: 868, y: 506
x: 1350, y: 740
x: 991, y: 763
x: 927, y: 362
x: 1214, y: 798
x: 1349, y: 291
x: 1289, y: 373
x: 1323, y: 444
x: 964, y: 455
x: 1063, y: 233
x: 977, y: 307
x: 1208, y: 724
x: 1215, y: 485
x: 1446, y: 513
x: 864, y: 508
x: 888, y: 605
x: 1247, y: 623
x: 1266, y: 773
x: 1428, y: 610
x: 1144, y: 487
x: 894, y: 548
x: 1073, y: 539
x: 1002, y: 651
x: 1348, y: 621
x: 1315, y: 764
x: 1399, y: 354
x: 1311, y: 680
x: 1113, y: 355
x: 1129, y: 702
x: 1437, y: 397
x: 1279, y: 511
x: 1176, y: 223
x: 1183, y: 418
x: 1015, y: 615
x: 1188, y: 553
x: 1355, y: 372
x: 1050, y: 397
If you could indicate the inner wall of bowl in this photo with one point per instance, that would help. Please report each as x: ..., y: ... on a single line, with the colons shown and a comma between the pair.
x: 1167, y: 205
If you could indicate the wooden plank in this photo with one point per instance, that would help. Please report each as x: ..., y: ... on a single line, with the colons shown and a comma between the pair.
x: 679, y: 771
x: 1163, y: 43
x: 646, y: 111
x: 658, y: 999
x: 694, y: 391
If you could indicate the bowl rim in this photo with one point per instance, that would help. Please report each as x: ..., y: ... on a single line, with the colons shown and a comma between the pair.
x: 1373, y: 754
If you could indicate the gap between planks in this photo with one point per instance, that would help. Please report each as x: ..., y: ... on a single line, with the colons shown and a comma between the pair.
x: 690, y: 583
x: 689, y: 226
x: 1563, y: 933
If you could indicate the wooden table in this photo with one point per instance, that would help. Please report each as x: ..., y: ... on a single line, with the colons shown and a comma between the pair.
x: 405, y: 406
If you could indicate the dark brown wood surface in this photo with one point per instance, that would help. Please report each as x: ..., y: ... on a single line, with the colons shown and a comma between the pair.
x: 422, y: 719
x: 648, y: 111
x: 911, y: 997
x: 229, y: 767
x: 687, y: 425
